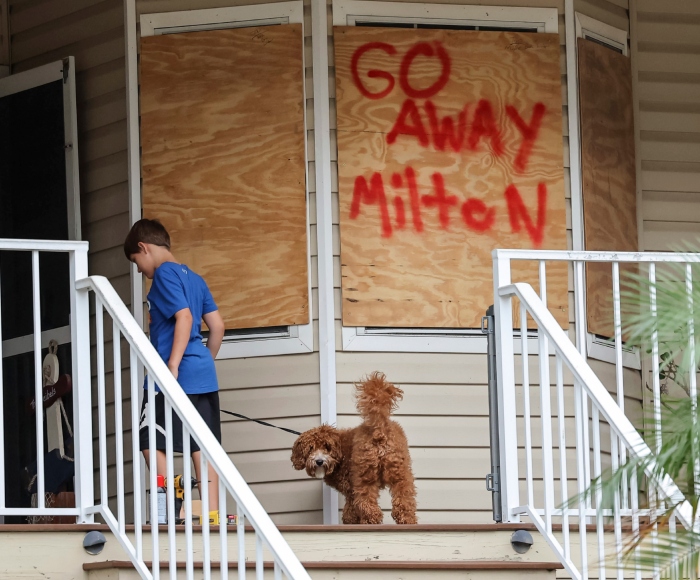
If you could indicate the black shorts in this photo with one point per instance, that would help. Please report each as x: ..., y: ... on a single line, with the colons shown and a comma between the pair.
x: 207, y: 404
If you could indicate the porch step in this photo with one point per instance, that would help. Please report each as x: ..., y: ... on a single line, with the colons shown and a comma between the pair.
x: 386, y: 552
x: 386, y: 570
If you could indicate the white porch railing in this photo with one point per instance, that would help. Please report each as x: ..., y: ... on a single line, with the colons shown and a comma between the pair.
x: 542, y: 493
x: 108, y: 501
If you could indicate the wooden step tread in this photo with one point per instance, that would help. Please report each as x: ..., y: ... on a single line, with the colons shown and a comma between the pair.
x: 14, y: 528
x: 290, y: 528
x: 369, y: 565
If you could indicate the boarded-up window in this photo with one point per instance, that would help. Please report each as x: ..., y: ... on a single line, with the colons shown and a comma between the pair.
x: 608, y: 168
x: 222, y: 134
x: 449, y: 145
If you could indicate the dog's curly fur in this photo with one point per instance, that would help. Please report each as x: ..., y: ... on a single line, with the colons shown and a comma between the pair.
x: 359, y: 462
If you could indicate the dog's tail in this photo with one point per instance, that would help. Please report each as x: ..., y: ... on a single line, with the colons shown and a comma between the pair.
x: 376, y: 398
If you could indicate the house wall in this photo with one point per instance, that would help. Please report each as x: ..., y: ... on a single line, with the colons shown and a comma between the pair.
x: 444, y: 411
x: 666, y: 61
x: 445, y: 406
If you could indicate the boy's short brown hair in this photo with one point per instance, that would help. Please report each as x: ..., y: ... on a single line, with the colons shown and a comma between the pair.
x: 148, y: 232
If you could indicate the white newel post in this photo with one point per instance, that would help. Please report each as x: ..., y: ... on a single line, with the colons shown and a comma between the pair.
x: 82, y: 387
x: 503, y: 312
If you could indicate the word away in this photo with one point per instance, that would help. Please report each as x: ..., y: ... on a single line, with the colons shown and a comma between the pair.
x: 446, y: 131
x: 475, y: 214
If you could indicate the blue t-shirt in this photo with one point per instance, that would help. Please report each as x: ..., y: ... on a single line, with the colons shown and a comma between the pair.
x: 175, y: 287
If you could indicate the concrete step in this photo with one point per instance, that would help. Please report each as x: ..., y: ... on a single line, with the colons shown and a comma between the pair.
x: 374, y: 570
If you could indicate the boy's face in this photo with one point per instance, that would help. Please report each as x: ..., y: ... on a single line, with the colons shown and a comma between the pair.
x: 145, y: 261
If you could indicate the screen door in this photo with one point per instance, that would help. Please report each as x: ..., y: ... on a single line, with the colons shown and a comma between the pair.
x: 39, y: 199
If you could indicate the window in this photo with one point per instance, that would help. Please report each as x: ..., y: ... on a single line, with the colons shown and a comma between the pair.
x: 270, y: 338
x: 422, y: 16
x: 604, y: 79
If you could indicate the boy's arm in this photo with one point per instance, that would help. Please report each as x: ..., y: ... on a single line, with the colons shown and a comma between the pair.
x: 181, y: 336
x: 216, y: 331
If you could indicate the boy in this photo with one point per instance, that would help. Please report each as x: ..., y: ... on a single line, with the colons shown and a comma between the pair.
x: 178, y: 301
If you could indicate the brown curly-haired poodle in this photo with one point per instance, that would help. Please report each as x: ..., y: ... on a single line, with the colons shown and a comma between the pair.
x: 359, y: 462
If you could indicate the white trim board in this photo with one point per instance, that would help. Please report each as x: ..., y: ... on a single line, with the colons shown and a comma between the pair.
x: 348, y: 13
x: 587, y: 27
x: 24, y: 344
x: 300, y: 338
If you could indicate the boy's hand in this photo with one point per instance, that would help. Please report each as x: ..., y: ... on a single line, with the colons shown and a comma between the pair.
x: 173, y: 369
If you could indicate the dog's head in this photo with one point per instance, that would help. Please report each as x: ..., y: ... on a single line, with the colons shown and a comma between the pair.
x: 318, y: 451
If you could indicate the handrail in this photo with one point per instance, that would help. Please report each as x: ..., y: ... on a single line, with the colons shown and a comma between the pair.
x: 181, y: 404
x: 585, y: 256
x: 596, y: 391
x: 19, y: 245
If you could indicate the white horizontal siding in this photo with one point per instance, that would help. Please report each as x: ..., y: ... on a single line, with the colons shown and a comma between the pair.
x: 666, y: 49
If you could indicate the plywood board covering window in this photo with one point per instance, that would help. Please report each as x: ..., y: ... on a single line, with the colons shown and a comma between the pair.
x: 222, y: 133
x: 608, y: 167
x: 449, y: 145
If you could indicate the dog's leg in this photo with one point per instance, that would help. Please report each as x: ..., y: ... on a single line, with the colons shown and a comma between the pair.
x: 349, y: 514
x: 403, y: 502
x: 365, y: 486
x: 402, y: 487
x: 366, y: 504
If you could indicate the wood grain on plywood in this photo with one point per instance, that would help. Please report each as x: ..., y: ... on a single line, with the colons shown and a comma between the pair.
x: 424, y: 259
x: 608, y: 169
x: 223, y: 164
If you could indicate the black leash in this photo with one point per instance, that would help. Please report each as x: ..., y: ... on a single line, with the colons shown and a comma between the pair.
x: 261, y: 422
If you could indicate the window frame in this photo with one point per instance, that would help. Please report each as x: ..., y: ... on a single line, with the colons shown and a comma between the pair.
x: 299, y: 338
x: 597, y: 347
x: 347, y: 13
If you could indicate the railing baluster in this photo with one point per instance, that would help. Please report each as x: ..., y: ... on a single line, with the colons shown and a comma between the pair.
x: 170, y: 489
x: 656, y: 382
x: 600, y: 531
x: 580, y: 477
x: 153, y: 475
x: 617, y: 520
x: 674, y: 548
x: 580, y: 317
x: 240, y: 533
x: 619, y: 377
x: 101, y: 399
x: 136, y: 451
x: 223, y: 529
x: 118, y: 425
x: 692, y: 377
x: 655, y: 360
x: 259, y: 568
x: 546, y: 411
x: 634, y: 504
x: 617, y: 446
x: 561, y: 423
x: 38, y: 383
x: 529, y: 476
x: 187, y: 474
x: 204, y: 494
